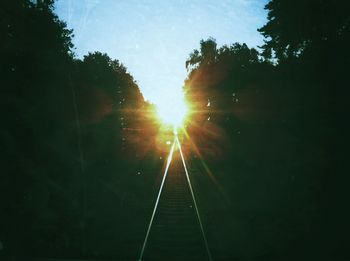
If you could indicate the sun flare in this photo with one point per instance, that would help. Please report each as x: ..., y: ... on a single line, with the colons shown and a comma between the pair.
x: 172, y: 110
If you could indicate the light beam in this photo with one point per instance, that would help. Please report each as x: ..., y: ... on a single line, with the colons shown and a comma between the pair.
x: 157, y: 201
x: 194, y: 201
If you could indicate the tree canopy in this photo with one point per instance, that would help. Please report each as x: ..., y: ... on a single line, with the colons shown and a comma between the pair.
x: 268, y: 126
x: 294, y: 26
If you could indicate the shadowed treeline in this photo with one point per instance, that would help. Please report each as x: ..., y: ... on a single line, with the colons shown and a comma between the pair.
x: 71, y: 133
x: 80, y: 155
x: 272, y: 127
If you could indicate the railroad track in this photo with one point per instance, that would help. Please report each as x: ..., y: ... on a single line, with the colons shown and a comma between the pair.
x: 175, y: 231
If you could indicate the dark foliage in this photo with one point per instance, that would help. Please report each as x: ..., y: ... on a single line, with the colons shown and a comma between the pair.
x: 271, y: 126
x: 270, y: 129
x: 68, y: 141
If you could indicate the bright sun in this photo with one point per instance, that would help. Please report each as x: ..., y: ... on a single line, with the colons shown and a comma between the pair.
x: 172, y: 110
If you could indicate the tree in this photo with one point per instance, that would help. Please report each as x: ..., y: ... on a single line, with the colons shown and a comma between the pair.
x: 218, y: 73
x: 63, y: 132
x: 206, y: 55
x: 295, y: 26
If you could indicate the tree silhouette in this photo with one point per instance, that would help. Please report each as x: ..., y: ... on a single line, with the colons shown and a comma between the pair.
x: 276, y: 118
x: 270, y: 126
x: 64, y: 136
x: 294, y: 26
x: 218, y: 73
x: 206, y: 55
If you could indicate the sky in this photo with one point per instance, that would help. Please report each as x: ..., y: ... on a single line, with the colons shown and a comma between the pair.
x: 153, y: 38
